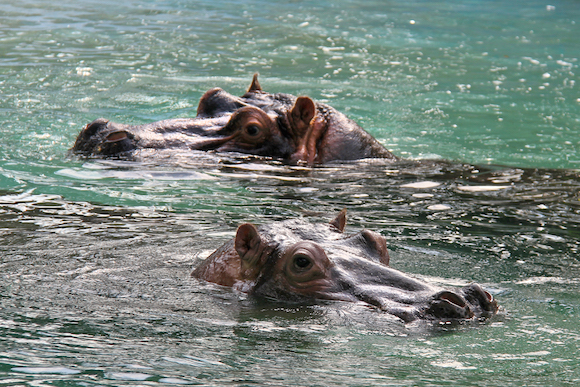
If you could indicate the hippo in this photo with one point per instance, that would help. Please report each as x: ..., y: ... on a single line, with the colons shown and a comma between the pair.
x: 296, y: 261
x: 281, y: 126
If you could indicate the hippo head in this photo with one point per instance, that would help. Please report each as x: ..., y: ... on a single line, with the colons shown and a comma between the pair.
x: 281, y: 126
x: 298, y: 261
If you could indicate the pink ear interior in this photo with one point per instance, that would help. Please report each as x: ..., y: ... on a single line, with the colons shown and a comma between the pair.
x: 247, y: 240
x: 304, y: 110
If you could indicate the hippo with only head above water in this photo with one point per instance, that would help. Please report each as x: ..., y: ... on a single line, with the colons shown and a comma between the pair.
x: 282, y: 126
x: 298, y: 261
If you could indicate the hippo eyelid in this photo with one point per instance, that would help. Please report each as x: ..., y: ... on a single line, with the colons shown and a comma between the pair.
x: 304, y: 264
x: 252, y: 125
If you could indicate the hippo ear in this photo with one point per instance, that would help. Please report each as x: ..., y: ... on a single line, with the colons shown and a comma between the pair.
x: 248, y: 244
x: 303, y: 112
x: 255, y: 86
x: 340, y: 221
x: 377, y: 244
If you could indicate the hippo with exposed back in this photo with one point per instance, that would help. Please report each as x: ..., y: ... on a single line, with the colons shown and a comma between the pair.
x: 295, y: 260
x: 281, y: 126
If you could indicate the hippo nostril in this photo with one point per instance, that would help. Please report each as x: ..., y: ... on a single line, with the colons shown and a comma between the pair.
x: 449, y: 305
x: 489, y: 296
x: 116, y: 142
x: 452, y: 298
x: 480, y: 298
x: 89, y: 136
x: 116, y: 136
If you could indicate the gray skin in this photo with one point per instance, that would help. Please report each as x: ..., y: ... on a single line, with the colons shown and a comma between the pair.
x: 297, y: 261
x: 281, y: 126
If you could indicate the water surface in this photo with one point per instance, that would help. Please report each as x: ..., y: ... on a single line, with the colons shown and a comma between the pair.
x: 96, y: 254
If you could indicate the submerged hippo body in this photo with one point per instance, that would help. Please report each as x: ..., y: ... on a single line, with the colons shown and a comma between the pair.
x: 296, y: 261
x: 276, y: 125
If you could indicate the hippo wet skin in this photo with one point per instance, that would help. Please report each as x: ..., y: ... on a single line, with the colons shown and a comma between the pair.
x: 281, y: 126
x: 294, y: 260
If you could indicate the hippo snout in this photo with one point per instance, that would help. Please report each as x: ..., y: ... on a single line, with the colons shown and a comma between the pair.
x: 449, y: 305
x: 105, y: 138
x: 466, y: 303
x: 95, y: 127
x: 480, y: 299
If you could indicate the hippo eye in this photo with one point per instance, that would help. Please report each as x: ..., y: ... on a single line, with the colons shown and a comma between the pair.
x: 252, y: 130
x: 251, y: 126
x: 302, y: 262
x: 305, y: 266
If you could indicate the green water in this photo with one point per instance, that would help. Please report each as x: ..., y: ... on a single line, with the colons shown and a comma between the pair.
x: 96, y: 254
